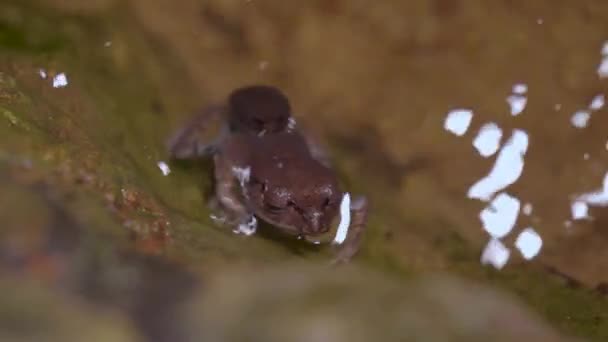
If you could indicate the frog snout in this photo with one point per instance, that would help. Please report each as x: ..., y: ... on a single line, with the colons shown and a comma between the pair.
x: 313, y: 219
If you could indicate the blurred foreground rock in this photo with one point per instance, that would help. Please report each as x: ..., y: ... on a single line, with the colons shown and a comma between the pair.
x: 302, y: 303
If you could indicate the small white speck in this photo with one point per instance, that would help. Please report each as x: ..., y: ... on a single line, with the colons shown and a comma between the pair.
x: 262, y: 65
x: 107, y: 43
x: 605, y: 49
x: 580, y: 119
x: 344, y: 224
x: 499, y: 217
x: 164, y: 168
x: 558, y: 106
x: 540, y: 21
x: 602, y: 69
x: 586, y: 156
x: 487, y: 140
x: 517, y: 104
x: 495, y: 254
x: 529, y: 243
x: 291, y: 124
x: 598, y: 102
x: 242, y: 174
x: 520, y: 88
x: 60, y: 81
x: 42, y: 73
x: 458, y: 121
x: 580, y: 210
x: 567, y: 223
x: 527, y: 209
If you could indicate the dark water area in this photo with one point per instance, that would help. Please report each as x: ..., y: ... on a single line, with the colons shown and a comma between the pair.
x: 477, y: 130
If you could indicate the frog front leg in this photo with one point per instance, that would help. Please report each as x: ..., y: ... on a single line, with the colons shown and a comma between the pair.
x: 359, y: 208
x: 226, y: 173
x: 192, y: 141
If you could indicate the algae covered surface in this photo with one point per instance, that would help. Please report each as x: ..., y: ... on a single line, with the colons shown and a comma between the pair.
x: 97, y: 240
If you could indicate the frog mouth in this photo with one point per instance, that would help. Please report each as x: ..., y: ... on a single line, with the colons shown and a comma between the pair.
x: 341, y: 230
x: 289, y: 229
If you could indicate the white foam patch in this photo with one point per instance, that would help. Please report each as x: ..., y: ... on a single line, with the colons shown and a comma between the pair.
x: 507, y: 169
x: 242, y: 174
x: 495, y: 253
x: 164, y: 168
x: 487, y: 140
x: 517, y: 104
x: 499, y: 217
x: 580, y: 119
x: 597, y: 102
x: 60, y: 80
x: 458, y: 121
x: 42, y: 73
x: 344, y: 224
x: 529, y: 243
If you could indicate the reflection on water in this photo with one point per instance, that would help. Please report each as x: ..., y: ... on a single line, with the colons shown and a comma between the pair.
x: 487, y: 140
x: 580, y: 118
x: 580, y: 206
x: 602, y: 69
x: 528, y: 243
x: 507, y: 169
x: 500, y: 216
x: 458, y: 121
x: 495, y: 254
x: 518, y: 100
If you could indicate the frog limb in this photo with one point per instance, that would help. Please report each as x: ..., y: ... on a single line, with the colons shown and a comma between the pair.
x: 226, y: 194
x: 189, y: 141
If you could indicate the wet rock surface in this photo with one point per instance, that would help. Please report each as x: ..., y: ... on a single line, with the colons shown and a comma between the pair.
x: 110, y: 240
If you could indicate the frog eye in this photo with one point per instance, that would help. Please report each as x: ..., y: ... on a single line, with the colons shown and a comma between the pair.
x: 258, y: 123
x: 273, y: 208
x: 256, y: 182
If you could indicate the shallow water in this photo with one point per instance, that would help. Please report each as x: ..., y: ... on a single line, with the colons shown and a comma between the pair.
x: 377, y: 82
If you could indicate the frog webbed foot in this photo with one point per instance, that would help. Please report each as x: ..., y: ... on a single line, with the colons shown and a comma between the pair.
x: 241, y: 223
x: 246, y: 227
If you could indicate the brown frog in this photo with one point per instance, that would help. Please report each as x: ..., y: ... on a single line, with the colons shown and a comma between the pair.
x: 266, y: 168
